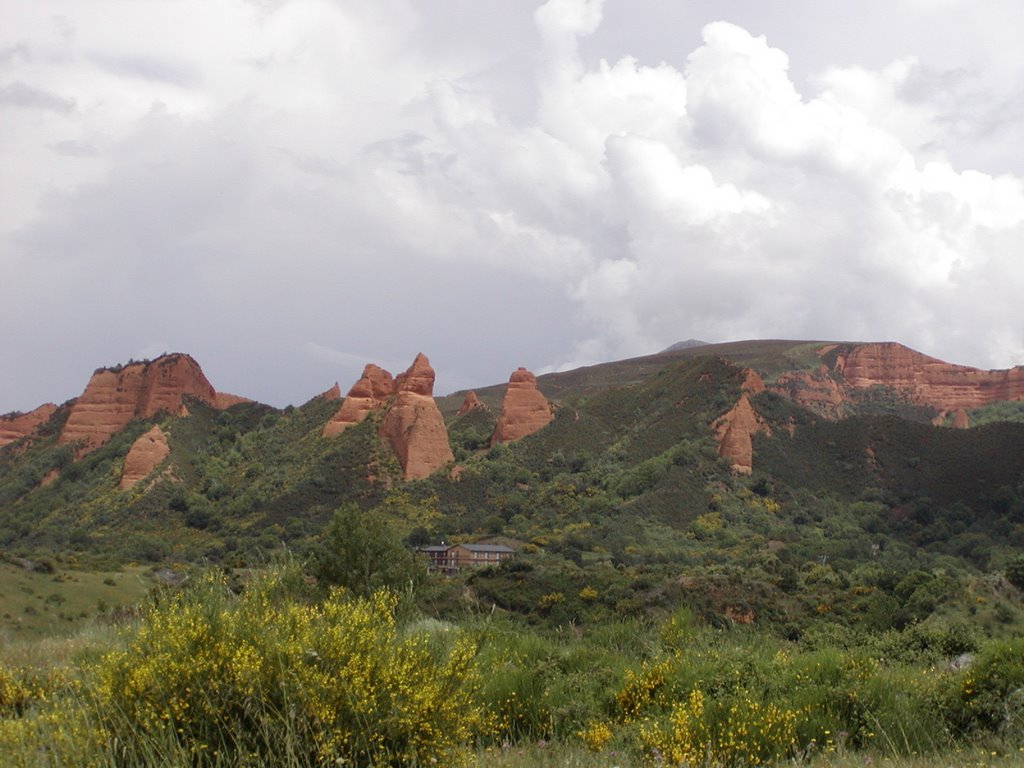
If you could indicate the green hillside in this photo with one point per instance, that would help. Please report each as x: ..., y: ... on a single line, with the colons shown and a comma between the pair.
x: 657, y: 602
x: 624, y: 488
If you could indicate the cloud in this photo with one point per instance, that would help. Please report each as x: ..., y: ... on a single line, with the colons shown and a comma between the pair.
x: 73, y: 148
x: 18, y: 94
x: 163, y: 70
x: 339, y: 179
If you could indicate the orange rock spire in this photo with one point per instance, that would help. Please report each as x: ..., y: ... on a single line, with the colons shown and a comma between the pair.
x: 413, y: 425
x: 370, y: 393
x: 524, y: 409
x: 144, y: 456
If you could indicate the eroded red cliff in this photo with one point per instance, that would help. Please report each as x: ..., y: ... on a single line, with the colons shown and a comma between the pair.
x: 471, y: 403
x: 334, y: 393
x: 735, y: 431
x: 145, y: 455
x: 370, y: 393
x: 849, y: 371
x: 524, y: 409
x: 16, y: 427
x: 223, y: 400
x: 925, y: 379
x: 413, y: 425
x: 115, y: 396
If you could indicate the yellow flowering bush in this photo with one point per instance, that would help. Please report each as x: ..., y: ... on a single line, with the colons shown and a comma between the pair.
x: 739, y: 732
x: 640, y: 689
x: 14, y: 692
x: 283, y: 680
x: 596, y: 735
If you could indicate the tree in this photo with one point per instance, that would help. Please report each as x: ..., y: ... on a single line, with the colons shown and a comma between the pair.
x: 363, y: 555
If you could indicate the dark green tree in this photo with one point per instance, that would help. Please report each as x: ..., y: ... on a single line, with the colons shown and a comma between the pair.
x: 358, y: 551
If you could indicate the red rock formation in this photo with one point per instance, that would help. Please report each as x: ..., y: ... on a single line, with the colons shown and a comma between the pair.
x: 735, y: 431
x: 115, y: 396
x: 334, y: 393
x: 752, y: 382
x: 920, y: 379
x: 524, y: 409
x: 413, y: 425
x: 224, y: 400
x: 143, y: 457
x: 15, y: 427
x: 960, y: 419
x: 818, y: 392
x: 370, y: 393
x: 472, y: 403
x: 924, y: 379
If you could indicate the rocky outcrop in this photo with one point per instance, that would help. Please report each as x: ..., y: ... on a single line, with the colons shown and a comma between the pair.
x: 145, y: 455
x: 334, y: 393
x: 752, y: 382
x: 224, y: 400
x: 371, y: 393
x: 524, y: 410
x: 960, y: 419
x: 735, y: 431
x: 817, y: 392
x: 16, y: 427
x: 850, y: 372
x: 413, y: 425
x: 924, y: 379
x: 471, y: 403
x: 115, y: 396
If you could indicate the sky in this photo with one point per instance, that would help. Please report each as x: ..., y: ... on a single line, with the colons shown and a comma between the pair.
x: 290, y: 189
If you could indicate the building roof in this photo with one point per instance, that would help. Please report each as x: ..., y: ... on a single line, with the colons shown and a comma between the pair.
x: 487, y: 548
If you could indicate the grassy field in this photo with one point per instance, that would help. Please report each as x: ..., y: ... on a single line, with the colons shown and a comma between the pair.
x: 43, y: 599
x: 555, y: 756
x: 279, y: 673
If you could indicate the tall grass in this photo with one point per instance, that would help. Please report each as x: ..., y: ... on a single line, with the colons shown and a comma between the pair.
x: 207, y: 677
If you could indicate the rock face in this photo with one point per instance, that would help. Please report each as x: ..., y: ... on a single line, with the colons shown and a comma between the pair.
x: 413, y: 425
x: 920, y: 379
x: 334, y: 393
x: 925, y: 379
x: 818, y: 392
x: 371, y: 393
x: 735, y: 431
x: 114, y: 396
x: 143, y: 457
x: 524, y: 409
x: 752, y: 382
x: 223, y: 400
x: 15, y: 427
x: 960, y: 419
x: 471, y: 403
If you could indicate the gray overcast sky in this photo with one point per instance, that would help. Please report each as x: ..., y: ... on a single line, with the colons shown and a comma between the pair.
x: 288, y: 189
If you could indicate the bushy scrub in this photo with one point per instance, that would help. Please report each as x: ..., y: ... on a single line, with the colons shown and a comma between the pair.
x: 754, y: 702
x: 989, y: 694
x: 739, y: 730
x: 287, y: 682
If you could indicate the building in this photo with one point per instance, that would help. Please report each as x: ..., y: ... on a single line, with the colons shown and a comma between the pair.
x: 449, y: 558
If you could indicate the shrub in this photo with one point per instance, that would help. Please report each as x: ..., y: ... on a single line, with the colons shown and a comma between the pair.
x: 736, y: 731
x: 988, y: 695
x: 256, y: 674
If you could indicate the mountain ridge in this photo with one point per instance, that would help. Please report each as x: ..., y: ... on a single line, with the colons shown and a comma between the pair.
x: 834, y: 379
